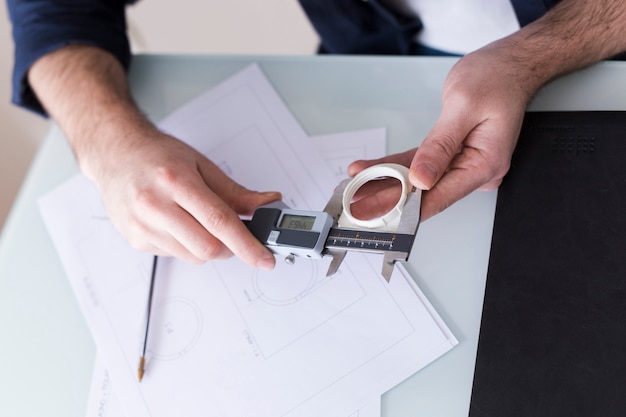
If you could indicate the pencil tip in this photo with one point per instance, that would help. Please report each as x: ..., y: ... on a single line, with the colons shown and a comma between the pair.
x: 140, y: 371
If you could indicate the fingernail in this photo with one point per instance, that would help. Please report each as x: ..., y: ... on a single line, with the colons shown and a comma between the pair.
x: 266, y: 263
x: 423, y: 176
x: 272, y: 194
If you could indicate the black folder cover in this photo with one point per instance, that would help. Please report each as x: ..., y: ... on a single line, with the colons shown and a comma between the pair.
x: 553, y: 331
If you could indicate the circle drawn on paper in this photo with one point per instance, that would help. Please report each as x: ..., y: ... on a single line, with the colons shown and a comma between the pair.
x: 176, y: 324
x: 287, y: 283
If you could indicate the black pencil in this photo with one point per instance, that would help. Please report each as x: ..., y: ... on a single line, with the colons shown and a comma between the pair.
x: 142, y: 359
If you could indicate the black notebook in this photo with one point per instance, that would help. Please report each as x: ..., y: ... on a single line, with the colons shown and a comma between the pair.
x: 553, y: 331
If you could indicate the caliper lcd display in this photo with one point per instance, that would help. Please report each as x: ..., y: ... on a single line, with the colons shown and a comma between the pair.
x: 297, y: 222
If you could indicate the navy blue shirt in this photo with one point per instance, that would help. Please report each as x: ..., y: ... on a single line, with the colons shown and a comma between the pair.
x: 344, y: 26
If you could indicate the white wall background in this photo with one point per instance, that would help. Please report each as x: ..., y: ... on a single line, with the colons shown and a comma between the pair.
x: 156, y: 26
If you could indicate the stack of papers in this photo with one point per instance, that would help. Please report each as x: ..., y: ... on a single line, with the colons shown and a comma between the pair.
x: 226, y: 339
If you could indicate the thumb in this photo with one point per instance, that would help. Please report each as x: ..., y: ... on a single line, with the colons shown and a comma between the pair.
x: 248, y: 201
x: 240, y: 199
x: 244, y: 201
x: 439, y: 148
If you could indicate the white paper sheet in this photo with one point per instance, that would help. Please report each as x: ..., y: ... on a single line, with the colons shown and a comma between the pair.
x: 103, y: 401
x: 338, y: 150
x: 228, y: 340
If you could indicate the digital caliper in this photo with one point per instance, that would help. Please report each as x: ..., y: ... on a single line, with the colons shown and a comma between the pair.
x: 334, y: 231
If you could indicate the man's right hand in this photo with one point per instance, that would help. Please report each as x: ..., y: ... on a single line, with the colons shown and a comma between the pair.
x: 168, y: 199
x: 161, y: 194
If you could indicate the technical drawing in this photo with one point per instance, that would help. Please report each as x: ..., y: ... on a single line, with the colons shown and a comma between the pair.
x: 176, y: 325
x: 339, y: 159
x: 296, y: 299
x: 275, y: 289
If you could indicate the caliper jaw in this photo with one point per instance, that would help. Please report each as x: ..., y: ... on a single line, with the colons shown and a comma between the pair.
x: 408, y: 225
x: 334, y: 207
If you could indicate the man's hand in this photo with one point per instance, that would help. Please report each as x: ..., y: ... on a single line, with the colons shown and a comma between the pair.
x: 161, y: 194
x: 167, y: 199
x: 471, y: 144
x: 486, y: 94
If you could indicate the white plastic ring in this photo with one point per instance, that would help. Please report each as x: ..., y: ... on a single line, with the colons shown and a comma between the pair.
x: 391, y: 219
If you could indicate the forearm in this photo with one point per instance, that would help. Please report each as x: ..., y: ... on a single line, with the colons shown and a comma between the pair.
x: 42, y: 26
x: 486, y: 94
x: 572, y: 35
x: 85, y: 90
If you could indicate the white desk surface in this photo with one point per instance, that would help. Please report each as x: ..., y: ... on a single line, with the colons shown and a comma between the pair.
x: 46, y: 351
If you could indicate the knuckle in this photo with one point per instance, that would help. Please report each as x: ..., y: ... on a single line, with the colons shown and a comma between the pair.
x: 444, y: 146
x: 462, y: 98
x: 135, y: 191
x: 492, y: 167
x: 217, y: 220
x: 210, y: 247
x: 142, y: 198
x: 498, y: 170
x: 147, y: 207
x: 238, y: 197
x: 210, y: 250
x: 248, y: 250
x: 167, y: 177
x: 136, y: 234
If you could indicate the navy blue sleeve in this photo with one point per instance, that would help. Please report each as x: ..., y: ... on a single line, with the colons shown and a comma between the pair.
x: 42, y: 26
